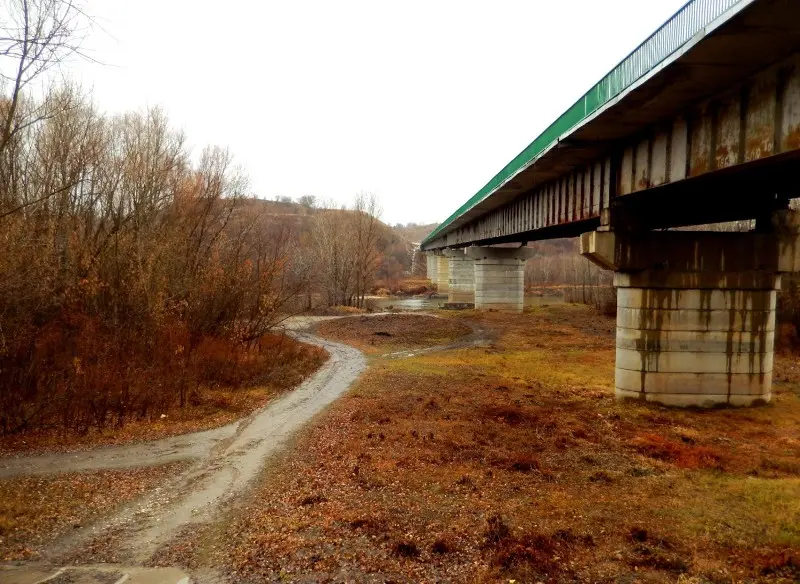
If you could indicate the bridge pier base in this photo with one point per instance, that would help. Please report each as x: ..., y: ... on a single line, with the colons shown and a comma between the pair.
x: 499, y: 277
x: 696, y: 311
x: 689, y: 341
x: 462, y: 277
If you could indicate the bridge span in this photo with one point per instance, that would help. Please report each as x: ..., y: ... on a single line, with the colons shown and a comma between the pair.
x: 699, y: 124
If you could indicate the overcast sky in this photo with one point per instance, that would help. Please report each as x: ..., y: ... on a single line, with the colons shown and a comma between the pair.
x: 420, y: 102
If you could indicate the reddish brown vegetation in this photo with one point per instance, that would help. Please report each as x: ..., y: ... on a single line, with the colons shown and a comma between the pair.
x: 680, y: 454
x: 74, y: 375
x: 531, y: 555
x: 778, y: 563
x: 131, y: 277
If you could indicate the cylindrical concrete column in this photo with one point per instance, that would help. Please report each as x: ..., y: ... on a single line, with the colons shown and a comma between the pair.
x: 694, y: 341
x: 462, y: 277
x: 431, y: 265
x: 696, y: 310
x: 442, y: 274
x: 499, y: 277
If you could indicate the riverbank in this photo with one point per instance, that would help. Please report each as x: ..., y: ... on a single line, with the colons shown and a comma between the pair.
x: 435, y: 301
x: 513, y: 461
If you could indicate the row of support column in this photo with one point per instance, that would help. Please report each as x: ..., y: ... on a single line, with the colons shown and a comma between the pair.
x: 695, y: 310
x: 488, y: 277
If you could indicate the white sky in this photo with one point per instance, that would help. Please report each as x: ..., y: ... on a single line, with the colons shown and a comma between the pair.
x: 420, y: 102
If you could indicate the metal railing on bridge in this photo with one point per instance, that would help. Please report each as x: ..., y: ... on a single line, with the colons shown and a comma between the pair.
x: 690, y: 20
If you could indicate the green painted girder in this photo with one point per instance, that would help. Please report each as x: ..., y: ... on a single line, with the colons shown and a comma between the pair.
x: 689, y: 22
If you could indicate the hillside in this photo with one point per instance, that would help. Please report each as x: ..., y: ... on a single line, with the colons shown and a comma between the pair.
x: 394, y: 243
x: 414, y: 232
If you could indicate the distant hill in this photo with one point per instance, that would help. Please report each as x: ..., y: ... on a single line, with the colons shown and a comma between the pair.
x: 394, y: 244
x: 410, y: 232
x: 414, y: 232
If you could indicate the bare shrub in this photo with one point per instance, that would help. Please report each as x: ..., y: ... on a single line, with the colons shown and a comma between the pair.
x: 558, y: 266
x: 345, y: 243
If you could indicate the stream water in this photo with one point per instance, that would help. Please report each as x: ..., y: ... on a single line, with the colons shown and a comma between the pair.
x: 425, y: 303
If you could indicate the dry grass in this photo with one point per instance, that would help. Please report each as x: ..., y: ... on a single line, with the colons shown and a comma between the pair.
x: 402, y: 287
x: 339, y: 310
x: 379, y: 335
x: 35, y: 510
x: 515, y: 462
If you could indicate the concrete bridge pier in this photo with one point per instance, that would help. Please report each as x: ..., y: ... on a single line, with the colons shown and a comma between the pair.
x: 442, y: 280
x: 431, y: 265
x: 696, y: 311
x: 462, y: 277
x: 499, y: 277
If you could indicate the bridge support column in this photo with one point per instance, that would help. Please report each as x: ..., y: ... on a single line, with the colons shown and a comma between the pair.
x: 442, y: 274
x: 462, y: 277
x: 431, y: 265
x: 696, y: 311
x: 499, y: 277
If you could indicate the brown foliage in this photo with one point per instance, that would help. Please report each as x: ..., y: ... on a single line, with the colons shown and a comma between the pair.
x: 77, y: 373
x: 129, y: 275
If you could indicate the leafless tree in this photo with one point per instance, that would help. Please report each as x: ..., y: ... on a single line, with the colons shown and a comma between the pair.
x: 35, y: 37
x: 334, y: 259
x: 346, y: 249
x: 365, y: 232
x: 308, y: 201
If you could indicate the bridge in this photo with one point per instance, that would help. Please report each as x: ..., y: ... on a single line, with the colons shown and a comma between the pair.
x: 699, y: 124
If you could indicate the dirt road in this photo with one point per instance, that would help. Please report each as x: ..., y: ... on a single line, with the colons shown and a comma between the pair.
x: 334, y: 377
x: 223, y: 462
x: 227, y: 459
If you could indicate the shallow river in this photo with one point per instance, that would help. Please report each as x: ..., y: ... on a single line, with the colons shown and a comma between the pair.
x: 418, y: 303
